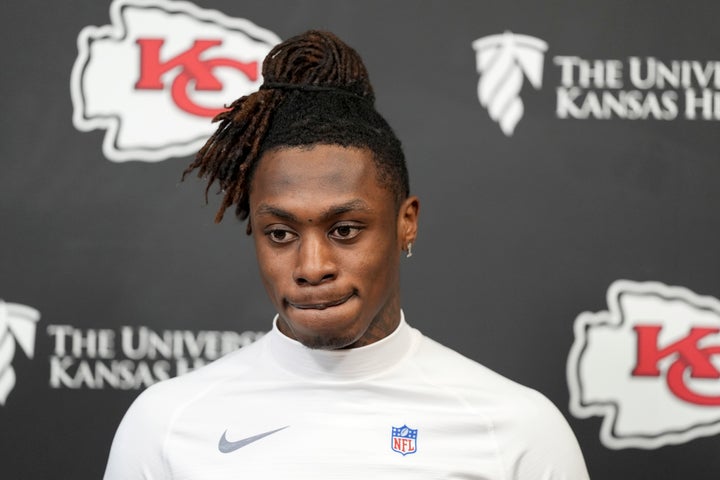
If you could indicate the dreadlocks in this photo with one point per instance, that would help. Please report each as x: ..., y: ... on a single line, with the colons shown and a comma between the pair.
x: 316, y: 90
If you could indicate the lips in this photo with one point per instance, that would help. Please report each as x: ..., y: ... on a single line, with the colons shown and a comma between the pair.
x: 319, y: 304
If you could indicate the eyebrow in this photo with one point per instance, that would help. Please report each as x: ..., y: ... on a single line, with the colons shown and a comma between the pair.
x: 356, y: 205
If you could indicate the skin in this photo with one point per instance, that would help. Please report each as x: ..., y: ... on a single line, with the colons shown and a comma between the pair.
x: 328, y: 238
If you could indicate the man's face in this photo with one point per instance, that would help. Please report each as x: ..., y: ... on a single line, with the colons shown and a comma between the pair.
x: 328, y: 238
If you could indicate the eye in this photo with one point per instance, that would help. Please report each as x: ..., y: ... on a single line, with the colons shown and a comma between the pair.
x: 280, y: 235
x: 345, y: 232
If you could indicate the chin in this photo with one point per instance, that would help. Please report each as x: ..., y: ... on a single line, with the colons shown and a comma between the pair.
x: 327, y: 342
x: 324, y: 333
x: 326, y: 338
x: 326, y: 329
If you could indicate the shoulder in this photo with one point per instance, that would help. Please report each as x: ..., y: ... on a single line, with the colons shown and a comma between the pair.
x: 468, y: 378
x: 531, y: 434
x: 175, y: 393
x: 138, y: 445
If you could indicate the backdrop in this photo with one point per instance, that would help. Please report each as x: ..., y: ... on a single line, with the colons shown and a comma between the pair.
x: 565, y: 154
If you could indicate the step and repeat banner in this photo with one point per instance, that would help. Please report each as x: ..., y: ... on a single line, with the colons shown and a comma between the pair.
x: 565, y: 154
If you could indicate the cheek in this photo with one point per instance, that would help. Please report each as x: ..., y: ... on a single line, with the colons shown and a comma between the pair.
x: 380, y: 264
x: 270, y: 266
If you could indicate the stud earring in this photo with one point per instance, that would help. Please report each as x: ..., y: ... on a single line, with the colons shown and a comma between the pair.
x: 409, y: 250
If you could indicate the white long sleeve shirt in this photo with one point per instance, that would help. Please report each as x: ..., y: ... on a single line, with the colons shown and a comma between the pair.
x: 403, y: 408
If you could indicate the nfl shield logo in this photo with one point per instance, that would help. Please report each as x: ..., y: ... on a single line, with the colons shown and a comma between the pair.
x: 404, y: 440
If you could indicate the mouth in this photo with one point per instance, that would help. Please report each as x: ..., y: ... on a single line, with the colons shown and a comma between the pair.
x: 321, y: 305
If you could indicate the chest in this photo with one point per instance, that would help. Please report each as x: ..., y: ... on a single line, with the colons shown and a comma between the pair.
x: 317, y: 433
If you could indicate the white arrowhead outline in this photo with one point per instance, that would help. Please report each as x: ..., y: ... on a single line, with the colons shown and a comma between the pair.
x: 116, y: 31
x: 613, y: 317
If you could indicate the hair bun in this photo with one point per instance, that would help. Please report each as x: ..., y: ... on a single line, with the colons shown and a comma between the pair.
x: 316, y: 90
x: 319, y: 59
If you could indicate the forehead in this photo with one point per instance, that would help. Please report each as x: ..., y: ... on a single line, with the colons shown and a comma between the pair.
x: 304, y: 175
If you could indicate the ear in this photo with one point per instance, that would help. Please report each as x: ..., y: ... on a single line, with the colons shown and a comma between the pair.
x: 408, y: 221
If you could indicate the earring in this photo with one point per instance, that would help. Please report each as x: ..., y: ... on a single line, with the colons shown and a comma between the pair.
x: 409, y: 250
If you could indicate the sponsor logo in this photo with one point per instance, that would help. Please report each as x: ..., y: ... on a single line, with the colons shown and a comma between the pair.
x: 631, y: 88
x: 650, y: 365
x: 226, y: 446
x: 403, y: 440
x: 501, y: 61
x: 17, y: 325
x: 123, y: 358
x: 131, y: 358
x: 157, y: 75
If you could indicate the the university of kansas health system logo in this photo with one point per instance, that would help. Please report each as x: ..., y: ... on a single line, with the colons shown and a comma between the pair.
x: 17, y: 325
x: 404, y: 440
x: 502, y: 61
x: 155, y: 77
x: 650, y: 365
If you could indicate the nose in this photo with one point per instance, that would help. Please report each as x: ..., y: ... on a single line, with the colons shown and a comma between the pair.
x: 315, y: 262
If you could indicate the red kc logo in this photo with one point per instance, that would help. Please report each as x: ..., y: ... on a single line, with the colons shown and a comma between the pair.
x: 689, y: 356
x: 192, y: 68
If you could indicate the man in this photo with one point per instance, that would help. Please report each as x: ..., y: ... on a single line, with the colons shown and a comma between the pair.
x: 342, y: 387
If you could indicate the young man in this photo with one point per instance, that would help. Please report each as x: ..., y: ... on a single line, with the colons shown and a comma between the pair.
x: 342, y: 387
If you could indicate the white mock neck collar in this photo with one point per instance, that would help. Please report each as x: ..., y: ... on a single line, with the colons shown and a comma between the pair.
x: 341, y: 365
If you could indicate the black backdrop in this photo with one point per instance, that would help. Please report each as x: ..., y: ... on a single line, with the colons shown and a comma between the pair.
x: 519, y: 234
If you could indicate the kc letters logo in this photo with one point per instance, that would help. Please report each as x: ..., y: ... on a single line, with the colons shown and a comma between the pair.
x: 17, y: 325
x: 650, y: 365
x: 157, y: 75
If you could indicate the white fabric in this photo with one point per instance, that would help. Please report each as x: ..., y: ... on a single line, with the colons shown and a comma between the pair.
x: 340, y: 408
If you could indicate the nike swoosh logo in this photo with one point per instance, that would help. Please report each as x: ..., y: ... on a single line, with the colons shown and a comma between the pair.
x: 226, y: 446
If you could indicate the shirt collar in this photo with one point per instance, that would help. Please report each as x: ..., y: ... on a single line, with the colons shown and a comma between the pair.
x: 341, y: 365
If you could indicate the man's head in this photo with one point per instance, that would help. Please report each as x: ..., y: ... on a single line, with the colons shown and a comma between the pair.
x: 322, y: 178
x: 328, y: 236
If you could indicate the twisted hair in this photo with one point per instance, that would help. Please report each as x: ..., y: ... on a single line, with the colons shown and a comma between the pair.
x: 316, y: 90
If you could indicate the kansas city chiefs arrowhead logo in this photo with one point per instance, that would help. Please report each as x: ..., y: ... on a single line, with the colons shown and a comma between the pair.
x: 650, y: 365
x: 155, y: 77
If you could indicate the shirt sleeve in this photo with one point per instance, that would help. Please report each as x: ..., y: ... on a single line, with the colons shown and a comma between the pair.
x: 543, y: 446
x: 137, y: 449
